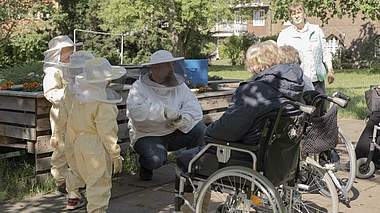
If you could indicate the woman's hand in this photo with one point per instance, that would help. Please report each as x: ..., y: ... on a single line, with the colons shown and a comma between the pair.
x: 330, y: 77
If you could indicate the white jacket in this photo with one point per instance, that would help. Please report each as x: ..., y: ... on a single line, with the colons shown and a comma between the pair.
x: 54, y: 86
x: 145, y: 109
x: 311, y: 45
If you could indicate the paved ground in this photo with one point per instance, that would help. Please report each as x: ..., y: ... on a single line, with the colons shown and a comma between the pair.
x: 131, y: 195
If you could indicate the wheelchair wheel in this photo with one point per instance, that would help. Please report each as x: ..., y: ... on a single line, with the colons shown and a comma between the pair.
x: 314, y: 192
x: 343, y: 165
x: 238, y: 189
x: 345, y: 168
x: 363, y: 171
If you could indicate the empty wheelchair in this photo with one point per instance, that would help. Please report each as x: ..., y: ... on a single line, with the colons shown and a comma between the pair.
x: 325, y: 143
x: 234, y: 177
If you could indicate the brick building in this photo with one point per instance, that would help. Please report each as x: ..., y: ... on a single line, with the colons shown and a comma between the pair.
x: 361, y: 36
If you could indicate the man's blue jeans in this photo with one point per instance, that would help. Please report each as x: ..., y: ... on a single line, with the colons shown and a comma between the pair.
x: 152, y: 150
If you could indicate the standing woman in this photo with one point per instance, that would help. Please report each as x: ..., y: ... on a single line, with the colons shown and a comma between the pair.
x: 310, y: 42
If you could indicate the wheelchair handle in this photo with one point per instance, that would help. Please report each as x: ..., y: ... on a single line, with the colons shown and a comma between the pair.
x: 341, y: 95
x: 303, y: 107
x: 307, y: 109
x: 338, y: 101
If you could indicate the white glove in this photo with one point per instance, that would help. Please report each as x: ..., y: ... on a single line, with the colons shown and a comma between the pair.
x: 177, y: 123
x: 117, y: 164
x: 170, y: 113
x: 54, y: 142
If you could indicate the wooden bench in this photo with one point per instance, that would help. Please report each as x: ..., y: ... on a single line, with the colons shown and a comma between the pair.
x: 24, y: 121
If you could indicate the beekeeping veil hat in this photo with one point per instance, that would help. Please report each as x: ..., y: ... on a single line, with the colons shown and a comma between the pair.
x: 175, y: 77
x: 77, y: 62
x: 53, y: 54
x: 91, y: 84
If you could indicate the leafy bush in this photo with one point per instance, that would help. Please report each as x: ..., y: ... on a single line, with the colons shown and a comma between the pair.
x: 232, y: 48
x: 271, y: 37
x: 235, y: 47
x: 23, y: 73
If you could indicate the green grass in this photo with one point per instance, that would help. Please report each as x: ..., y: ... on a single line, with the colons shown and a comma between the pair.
x: 351, y: 82
x: 354, y: 84
x: 17, y: 181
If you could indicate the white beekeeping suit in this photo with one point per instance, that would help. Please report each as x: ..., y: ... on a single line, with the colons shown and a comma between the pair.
x: 54, y: 85
x: 92, y: 135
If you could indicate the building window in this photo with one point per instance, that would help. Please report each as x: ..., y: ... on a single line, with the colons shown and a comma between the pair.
x: 259, y: 17
x: 334, y: 45
x: 377, y: 47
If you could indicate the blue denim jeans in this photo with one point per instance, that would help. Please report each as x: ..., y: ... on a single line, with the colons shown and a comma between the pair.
x: 152, y: 150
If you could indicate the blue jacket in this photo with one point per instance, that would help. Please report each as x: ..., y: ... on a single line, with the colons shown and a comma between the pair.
x: 262, y: 94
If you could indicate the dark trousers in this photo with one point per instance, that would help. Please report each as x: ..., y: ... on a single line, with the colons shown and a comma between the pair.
x: 320, y: 86
x: 153, y: 150
x: 362, y: 148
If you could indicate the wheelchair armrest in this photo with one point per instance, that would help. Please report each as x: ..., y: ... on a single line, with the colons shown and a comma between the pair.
x: 232, y: 144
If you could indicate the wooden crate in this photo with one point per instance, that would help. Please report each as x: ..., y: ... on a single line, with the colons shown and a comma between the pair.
x: 24, y: 120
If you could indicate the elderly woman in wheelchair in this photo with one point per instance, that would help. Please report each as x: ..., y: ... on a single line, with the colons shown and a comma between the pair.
x: 253, y: 150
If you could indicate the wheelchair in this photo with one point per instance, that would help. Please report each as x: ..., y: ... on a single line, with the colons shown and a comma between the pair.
x: 366, y: 166
x: 265, y: 177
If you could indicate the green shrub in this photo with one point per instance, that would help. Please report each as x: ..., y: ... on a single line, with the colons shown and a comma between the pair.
x: 130, y: 161
x: 271, y: 37
x: 17, y: 180
x: 23, y: 73
x: 233, y: 48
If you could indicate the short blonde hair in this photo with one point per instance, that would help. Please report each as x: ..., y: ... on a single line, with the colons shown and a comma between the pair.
x: 261, y: 56
x: 289, y: 55
x: 294, y: 5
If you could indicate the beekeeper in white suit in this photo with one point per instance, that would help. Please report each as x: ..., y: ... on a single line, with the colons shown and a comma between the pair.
x: 163, y: 113
x: 54, y: 85
x: 92, y: 134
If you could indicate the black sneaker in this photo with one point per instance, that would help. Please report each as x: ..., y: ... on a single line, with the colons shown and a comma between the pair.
x: 146, y: 174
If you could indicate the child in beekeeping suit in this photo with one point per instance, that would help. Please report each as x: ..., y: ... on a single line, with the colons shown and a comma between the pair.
x: 54, y: 84
x: 92, y: 134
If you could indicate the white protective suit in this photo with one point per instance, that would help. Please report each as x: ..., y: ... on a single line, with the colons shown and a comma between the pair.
x: 92, y: 134
x: 55, y: 90
x: 146, y: 104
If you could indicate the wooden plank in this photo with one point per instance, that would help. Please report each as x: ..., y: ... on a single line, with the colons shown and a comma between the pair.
x: 215, y: 93
x: 122, y: 115
x: 9, y: 140
x: 211, y: 117
x: 21, y: 94
x: 43, y: 177
x: 12, y: 154
x: 18, y: 132
x: 43, y: 124
x: 215, y: 103
x: 123, y: 132
x: 43, y: 164
x: 224, y: 81
x: 14, y: 145
x: 42, y: 145
x: 22, y: 118
x: 18, y: 103
x: 43, y: 106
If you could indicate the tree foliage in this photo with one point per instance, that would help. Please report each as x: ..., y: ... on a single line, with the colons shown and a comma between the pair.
x: 327, y: 9
x: 176, y: 25
x: 234, y: 47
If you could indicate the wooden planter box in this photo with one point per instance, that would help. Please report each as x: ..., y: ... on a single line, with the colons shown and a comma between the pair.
x: 24, y: 120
